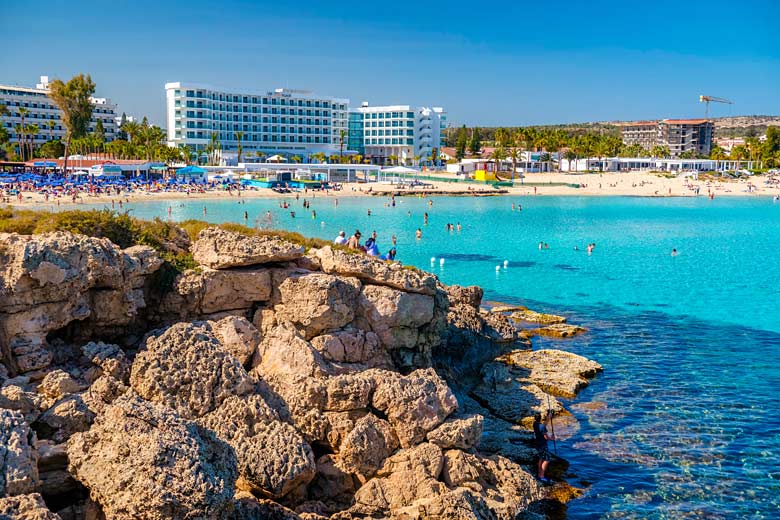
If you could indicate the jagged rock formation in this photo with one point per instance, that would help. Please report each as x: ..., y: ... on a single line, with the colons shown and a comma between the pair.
x: 267, y: 383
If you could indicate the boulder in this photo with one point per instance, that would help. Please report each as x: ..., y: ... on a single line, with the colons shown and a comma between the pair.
x: 103, y: 391
x: 317, y: 302
x: 460, y: 295
x: 187, y: 370
x: 369, y: 443
x: 109, y: 357
x: 141, y: 460
x: 247, y: 507
x: 285, y: 353
x: 414, y: 404
x: 395, y: 316
x: 204, y: 292
x: 218, y: 248
x: 25, y: 507
x: 273, y: 458
x: 555, y: 371
x: 348, y: 392
x: 57, y: 384
x: 15, y: 397
x: 351, y: 345
x: 18, y: 455
x: 461, y: 433
x: 404, y: 478
x: 238, y: 336
x: 371, y: 270
x: 67, y: 416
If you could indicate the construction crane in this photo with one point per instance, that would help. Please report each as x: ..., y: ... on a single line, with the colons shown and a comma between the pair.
x: 712, y: 99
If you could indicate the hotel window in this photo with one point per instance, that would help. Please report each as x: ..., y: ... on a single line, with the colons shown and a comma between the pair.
x: 410, y: 141
x: 410, y: 114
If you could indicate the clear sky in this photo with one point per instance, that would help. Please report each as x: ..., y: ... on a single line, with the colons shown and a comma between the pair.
x: 487, y: 63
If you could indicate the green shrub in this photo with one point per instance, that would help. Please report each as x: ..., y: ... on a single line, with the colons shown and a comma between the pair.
x: 94, y: 223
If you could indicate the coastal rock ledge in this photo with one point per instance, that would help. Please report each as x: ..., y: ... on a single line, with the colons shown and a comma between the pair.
x: 270, y: 381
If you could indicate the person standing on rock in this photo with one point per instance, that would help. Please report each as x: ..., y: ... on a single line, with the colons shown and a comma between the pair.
x: 541, y: 437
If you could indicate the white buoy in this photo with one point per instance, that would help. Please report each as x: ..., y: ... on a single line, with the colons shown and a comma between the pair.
x: 498, y: 268
x: 506, y: 264
x: 441, y: 261
x: 433, y: 259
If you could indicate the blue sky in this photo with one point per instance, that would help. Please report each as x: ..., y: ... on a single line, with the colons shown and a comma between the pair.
x: 487, y: 63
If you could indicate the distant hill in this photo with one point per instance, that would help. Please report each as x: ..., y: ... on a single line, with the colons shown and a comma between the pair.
x: 733, y: 126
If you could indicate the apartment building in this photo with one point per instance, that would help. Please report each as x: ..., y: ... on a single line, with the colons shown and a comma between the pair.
x: 679, y: 135
x: 401, y: 131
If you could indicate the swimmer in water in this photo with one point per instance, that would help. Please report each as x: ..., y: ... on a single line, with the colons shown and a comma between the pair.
x: 459, y: 227
x: 204, y: 211
x: 674, y: 252
x: 246, y: 216
x: 418, y: 233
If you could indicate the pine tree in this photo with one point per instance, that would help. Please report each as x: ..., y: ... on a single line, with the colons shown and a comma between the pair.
x: 475, y: 145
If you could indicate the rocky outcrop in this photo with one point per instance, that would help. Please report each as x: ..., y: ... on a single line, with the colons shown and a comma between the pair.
x: 560, y: 373
x: 537, y: 317
x: 557, y: 330
x: 218, y: 248
x: 141, y: 460
x: 48, y: 281
x: 263, y: 383
x: 374, y: 271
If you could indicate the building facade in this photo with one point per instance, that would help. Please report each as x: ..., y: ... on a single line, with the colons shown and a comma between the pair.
x: 41, y: 110
x: 282, y: 121
x: 356, y: 143
x: 679, y: 135
x: 407, y: 134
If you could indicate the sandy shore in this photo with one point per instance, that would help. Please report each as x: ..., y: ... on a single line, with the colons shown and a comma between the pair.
x: 537, y: 184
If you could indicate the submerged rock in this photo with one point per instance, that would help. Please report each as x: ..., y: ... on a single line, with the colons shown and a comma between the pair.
x: 218, y: 248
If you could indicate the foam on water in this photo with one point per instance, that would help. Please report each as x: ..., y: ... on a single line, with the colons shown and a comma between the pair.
x: 683, y: 423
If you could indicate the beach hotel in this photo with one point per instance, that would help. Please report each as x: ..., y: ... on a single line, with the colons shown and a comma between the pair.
x: 297, y: 123
x: 407, y: 134
x: 41, y: 109
x: 679, y: 135
x: 283, y: 121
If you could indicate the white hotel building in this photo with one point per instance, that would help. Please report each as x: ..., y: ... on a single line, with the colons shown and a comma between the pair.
x: 283, y: 121
x: 41, y: 109
x: 402, y: 131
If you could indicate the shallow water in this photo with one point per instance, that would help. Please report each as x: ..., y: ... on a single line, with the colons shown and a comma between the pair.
x: 683, y: 423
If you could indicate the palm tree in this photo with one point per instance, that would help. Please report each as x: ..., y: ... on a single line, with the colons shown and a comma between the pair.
x: 514, y: 154
x: 22, y: 137
x: 297, y: 159
x: 185, y: 152
x: 214, y: 141
x: 51, y: 124
x: 18, y: 130
x: 132, y: 129
x: 498, y: 155
x: 392, y: 159
x: 342, y: 135
x: 32, y: 131
x: 259, y: 155
x: 570, y: 155
x: 239, y: 136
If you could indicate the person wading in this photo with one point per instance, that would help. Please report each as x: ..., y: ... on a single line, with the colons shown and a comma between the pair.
x: 541, y: 437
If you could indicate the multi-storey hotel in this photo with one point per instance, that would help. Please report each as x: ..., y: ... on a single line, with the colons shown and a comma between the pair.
x: 41, y: 110
x: 679, y: 135
x: 290, y: 122
x: 409, y: 134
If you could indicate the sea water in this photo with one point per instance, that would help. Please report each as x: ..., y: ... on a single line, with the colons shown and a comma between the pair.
x: 684, y: 421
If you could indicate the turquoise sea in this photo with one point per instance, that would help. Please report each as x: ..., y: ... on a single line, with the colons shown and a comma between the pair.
x: 684, y: 421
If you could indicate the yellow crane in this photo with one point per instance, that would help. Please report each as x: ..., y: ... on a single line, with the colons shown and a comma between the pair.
x: 712, y: 99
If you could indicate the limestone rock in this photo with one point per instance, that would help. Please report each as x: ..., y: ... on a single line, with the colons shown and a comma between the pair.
x: 348, y: 392
x: 207, y: 291
x: 317, y: 302
x: 332, y: 483
x: 25, y: 507
x: 15, y: 397
x: 555, y: 371
x: 414, y: 404
x: 238, y: 336
x: 187, y: 370
x: 272, y: 456
x: 66, y: 417
x: 557, y: 330
x: 338, y: 426
x: 57, y: 384
x: 460, y: 295
x: 407, y: 476
x: 218, y: 248
x: 369, y: 443
x: 374, y: 271
x: 461, y: 433
x: 285, y: 353
x: 537, y: 317
x: 141, y: 460
x: 18, y: 455
x: 395, y: 316
x: 247, y: 507
x: 460, y: 503
x: 109, y: 357
x: 102, y: 392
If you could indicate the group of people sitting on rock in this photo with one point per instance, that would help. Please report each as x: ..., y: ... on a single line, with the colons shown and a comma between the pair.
x: 370, y: 247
